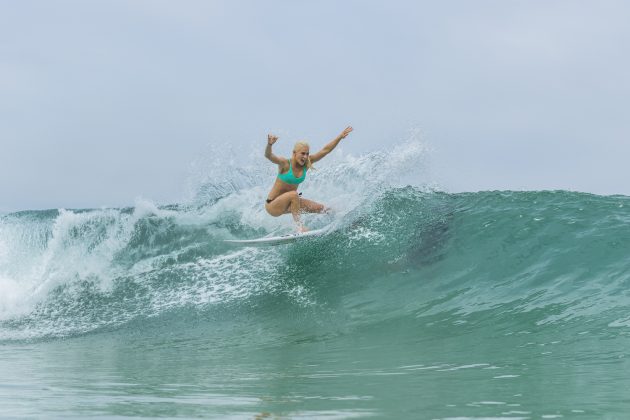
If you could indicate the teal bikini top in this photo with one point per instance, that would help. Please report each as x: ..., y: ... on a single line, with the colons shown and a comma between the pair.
x: 289, y: 178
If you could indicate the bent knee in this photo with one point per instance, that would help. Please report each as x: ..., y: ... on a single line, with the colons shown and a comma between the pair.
x: 272, y: 211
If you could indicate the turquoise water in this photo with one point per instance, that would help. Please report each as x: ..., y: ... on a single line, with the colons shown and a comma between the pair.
x: 419, y: 304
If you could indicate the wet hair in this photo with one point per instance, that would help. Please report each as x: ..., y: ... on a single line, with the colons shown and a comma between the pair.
x: 300, y: 144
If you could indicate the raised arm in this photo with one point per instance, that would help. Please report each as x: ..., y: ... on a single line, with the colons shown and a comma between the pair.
x: 330, y: 146
x: 271, y: 139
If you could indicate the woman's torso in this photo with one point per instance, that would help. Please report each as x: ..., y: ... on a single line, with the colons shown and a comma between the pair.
x: 281, y: 187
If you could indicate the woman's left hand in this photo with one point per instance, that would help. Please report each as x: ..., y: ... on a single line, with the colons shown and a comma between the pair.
x: 345, y: 132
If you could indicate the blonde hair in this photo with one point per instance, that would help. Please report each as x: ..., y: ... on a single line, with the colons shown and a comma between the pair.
x: 302, y: 143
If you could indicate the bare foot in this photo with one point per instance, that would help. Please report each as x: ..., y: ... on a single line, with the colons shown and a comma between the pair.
x: 302, y: 229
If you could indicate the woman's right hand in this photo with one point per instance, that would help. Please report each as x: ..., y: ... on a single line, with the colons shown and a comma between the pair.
x: 271, y: 139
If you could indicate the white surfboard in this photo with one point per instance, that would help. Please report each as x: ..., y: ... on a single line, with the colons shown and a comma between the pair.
x: 278, y: 240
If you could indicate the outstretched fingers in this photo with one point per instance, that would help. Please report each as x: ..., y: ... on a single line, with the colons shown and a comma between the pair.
x: 345, y: 132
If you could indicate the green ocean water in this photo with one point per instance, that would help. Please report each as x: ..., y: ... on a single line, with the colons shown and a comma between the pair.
x: 419, y: 304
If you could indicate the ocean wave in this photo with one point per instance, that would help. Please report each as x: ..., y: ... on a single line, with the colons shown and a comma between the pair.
x: 396, y: 253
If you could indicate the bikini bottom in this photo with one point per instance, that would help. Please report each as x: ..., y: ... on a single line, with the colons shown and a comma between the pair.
x: 269, y: 201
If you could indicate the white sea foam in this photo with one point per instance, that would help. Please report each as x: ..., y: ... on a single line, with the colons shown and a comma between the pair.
x: 69, y: 248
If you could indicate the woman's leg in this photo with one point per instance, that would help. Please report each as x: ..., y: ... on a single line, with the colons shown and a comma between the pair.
x: 310, y: 206
x: 289, y: 202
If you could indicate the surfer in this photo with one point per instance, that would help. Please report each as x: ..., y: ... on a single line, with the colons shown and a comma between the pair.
x: 283, y: 197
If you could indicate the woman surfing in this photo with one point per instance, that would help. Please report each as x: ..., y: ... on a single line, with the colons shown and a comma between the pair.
x: 283, y: 197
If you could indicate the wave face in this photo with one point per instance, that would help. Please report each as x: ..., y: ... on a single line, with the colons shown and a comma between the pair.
x: 400, y: 252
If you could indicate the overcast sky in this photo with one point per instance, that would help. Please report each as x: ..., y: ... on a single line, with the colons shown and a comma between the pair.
x: 105, y: 101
